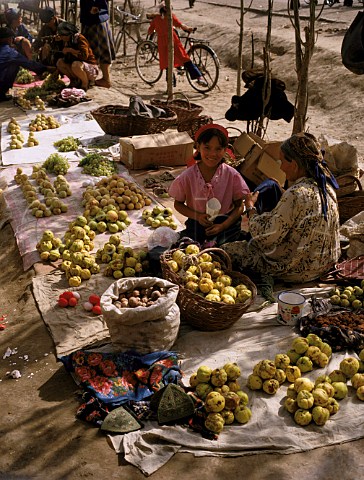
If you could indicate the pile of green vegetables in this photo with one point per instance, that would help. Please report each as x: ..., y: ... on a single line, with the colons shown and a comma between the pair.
x: 24, y: 76
x: 97, y: 165
x: 67, y: 144
x: 57, y: 164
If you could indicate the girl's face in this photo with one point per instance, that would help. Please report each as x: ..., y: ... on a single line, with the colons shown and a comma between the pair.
x: 211, y: 152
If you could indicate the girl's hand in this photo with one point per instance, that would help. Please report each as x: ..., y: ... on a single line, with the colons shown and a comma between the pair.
x: 94, y: 10
x: 214, y: 230
x: 203, y: 220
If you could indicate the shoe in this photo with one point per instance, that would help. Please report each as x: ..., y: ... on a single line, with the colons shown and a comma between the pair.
x: 201, y: 81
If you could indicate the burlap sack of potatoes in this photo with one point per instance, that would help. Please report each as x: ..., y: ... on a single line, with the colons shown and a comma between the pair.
x: 143, y: 329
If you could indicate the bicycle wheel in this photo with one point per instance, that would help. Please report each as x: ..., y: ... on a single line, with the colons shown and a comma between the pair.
x: 207, y: 62
x: 147, y: 62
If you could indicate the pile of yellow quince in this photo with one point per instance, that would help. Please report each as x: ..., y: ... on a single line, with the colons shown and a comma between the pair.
x: 201, y: 274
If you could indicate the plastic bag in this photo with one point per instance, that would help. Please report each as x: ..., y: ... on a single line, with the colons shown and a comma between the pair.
x: 162, y: 237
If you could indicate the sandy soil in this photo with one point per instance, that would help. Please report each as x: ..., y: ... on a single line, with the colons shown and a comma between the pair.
x: 40, y: 436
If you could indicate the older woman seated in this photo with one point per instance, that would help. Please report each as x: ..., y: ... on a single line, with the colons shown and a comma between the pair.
x: 298, y: 240
x: 78, y: 62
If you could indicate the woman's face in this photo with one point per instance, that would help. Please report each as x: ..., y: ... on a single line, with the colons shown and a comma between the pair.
x: 211, y: 152
x: 289, y: 168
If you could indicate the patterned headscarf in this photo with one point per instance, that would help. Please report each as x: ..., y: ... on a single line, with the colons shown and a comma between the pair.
x: 306, y: 151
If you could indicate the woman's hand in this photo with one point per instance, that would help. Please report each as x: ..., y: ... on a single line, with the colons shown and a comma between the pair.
x: 94, y: 10
x: 250, y: 199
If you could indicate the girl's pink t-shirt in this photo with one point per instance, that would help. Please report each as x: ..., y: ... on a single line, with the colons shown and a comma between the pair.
x: 227, y: 185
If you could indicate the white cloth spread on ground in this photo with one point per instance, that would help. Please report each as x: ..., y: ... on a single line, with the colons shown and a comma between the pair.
x: 81, y: 126
x: 254, y: 337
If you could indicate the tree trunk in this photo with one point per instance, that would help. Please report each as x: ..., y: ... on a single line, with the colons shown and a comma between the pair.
x: 240, y: 53
x: 170, y: 50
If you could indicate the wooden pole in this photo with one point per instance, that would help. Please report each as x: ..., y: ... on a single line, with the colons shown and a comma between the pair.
x: 240, y: 54
x: 170, y: 50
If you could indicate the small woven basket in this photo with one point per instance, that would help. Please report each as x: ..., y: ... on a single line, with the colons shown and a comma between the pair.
x: 195, y: 309
x: 114, y: 120
x: 184, y: 109
x: 348, y: 184
x: 350, y: 205
x: 191, y: 126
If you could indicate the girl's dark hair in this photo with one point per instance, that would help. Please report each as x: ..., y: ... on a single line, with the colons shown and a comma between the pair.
x: 207, y: 135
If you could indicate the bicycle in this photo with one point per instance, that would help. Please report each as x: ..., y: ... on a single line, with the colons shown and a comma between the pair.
x: 199, y: 51
x: 124, y: 20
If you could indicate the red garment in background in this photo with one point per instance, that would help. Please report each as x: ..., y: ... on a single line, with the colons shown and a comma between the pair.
x: 159, y: 25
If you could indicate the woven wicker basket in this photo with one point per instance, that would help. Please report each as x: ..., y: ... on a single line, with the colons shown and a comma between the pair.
x: 191, y: 126
x: 184, y: 109
x: 113, y: 119
x: 195, y: 309
x: 348, y: 184
x: 350, y: 205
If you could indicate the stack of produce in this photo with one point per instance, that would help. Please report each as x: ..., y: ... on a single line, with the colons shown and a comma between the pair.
x: 348, y: 296
x: 305, y: 354
x: 48, y: 246
x: 145, y: 297
x: 200, y: 274
x: 43, y: 122
x: 224, y: 400
x: 316, y: 401
x: 57, y: 164
x: 32, y: 141
x: 159, y: 217
x: 106, y: 203
x: 16, y: 137
x: 121, y: 261
x: 23, y: 76
x: 67, y: 144
x: 97, y: 165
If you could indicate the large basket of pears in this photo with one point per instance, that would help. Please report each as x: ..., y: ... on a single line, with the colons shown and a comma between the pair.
x: 212, y: 296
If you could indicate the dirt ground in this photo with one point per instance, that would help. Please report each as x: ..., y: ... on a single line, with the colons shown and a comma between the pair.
x: 40, y: 437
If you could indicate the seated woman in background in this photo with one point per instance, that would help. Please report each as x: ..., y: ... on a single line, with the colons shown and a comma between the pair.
x: 210, y: 178
x: 298, y: 240
x: 78, y: 62
x: 22, y: 38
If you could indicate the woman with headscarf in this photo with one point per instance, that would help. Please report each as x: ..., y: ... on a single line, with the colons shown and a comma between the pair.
x: 78, y: 62
x: 298, y: 240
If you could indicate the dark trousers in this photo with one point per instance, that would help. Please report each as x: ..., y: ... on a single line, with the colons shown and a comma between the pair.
x: 197, y: 232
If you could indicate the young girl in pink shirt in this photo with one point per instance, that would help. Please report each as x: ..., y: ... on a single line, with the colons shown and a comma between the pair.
x: 210, y: 178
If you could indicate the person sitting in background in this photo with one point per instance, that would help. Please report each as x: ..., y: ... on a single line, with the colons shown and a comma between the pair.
x: 298, y: 239
x: 210, y: 178
x: 22, y: 38
x: 78, y: 61
x: 45, y: 45
x: 11, y: 60
x: 181, y: 59
x: 94, y: 18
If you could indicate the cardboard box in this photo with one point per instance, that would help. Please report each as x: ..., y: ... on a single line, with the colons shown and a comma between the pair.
x: 270, y: 168
x: 261, y: 166
x: 159, y: 149
x: 243, y: 144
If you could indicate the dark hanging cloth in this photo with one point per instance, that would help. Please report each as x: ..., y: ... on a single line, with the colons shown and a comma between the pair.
x: 250, y: 105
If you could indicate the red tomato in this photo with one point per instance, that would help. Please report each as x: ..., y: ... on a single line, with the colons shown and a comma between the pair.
x: 94, y: 299
x: 67, y: 295
x: 96, y: 309
x: 62, y: 302
x: 72, y: 302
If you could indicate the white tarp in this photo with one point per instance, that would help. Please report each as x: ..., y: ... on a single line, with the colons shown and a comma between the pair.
x: 271, y: 430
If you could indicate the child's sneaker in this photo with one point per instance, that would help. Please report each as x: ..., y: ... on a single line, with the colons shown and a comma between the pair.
x: 202, y: 82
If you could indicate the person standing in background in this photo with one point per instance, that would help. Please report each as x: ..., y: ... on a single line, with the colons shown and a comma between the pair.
x: 22, y: 37
x: 94, y: 18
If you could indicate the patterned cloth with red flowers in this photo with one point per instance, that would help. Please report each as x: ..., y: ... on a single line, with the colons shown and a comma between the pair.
x: 117, y: 378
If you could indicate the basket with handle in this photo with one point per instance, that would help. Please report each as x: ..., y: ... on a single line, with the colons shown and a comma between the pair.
x: 198, y: 312
x: 114, y: 120
x: 184, y: 109
x: 351, y: 205
x: 191, y: 126
x: 348, y: 184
